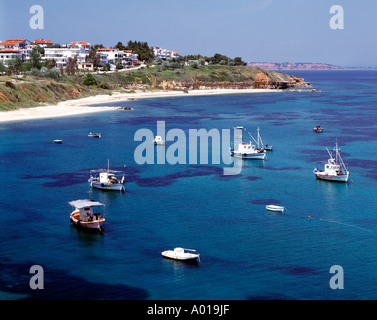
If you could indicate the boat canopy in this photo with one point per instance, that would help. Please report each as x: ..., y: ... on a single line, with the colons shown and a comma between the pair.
x: 79, y: 204
x: 104, y: 170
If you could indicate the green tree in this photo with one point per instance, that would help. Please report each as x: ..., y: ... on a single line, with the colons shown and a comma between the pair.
x: 3, y: 68
x: 51, y: 64
x: 238, y: 62
x: 98, y: 46
x: 120, y: 46
x: 89, y: 80
x: 35, y: 59
x: 15, y: 65
x: 71, y: 66
x: 144, y: 52
x: 94, y: 58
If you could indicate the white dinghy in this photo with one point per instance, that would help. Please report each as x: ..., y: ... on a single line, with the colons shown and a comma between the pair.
x: 181, y: 255
x: 275, y: 208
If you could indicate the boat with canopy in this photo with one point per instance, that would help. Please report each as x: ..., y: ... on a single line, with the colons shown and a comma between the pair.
x: 87, y: 213
x: 105, y: 179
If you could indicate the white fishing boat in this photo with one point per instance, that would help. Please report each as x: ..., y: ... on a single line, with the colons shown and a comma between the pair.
x: 105, y: 179
x: 275, y: 208
x: 58, y: 141
x: 88, y: 214
x: 182, y: 255
x: 249, y: 150
x: 158, y: 140
x: 94, y: 135
x: 335, y: 169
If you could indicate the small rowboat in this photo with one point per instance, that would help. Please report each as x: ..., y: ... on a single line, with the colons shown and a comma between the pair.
x: 94, y: 135
x: 181, y: 255
x: 275, y: 208
x: 58, y: 141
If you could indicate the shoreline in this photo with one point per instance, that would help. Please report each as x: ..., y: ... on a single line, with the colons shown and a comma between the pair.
x: 85, y: 105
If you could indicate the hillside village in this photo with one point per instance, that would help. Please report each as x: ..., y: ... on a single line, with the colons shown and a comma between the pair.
x: 79, y: 52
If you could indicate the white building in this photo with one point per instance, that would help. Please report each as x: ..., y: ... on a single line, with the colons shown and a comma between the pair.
x: 61, y: 55
x: 165, y: 54
x: 21, y: 48
x: 14, y: 44
x: 130, y: 57
x: 81, y: 44
x: 8, y: 54
x: 110, y: 55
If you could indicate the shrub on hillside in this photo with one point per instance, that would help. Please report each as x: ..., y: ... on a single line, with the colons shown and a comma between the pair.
x: 89, y: 80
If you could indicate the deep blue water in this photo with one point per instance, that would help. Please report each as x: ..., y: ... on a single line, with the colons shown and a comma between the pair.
x: 246, y: 251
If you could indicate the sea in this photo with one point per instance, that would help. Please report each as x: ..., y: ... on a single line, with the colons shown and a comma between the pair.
x: 322, y: 248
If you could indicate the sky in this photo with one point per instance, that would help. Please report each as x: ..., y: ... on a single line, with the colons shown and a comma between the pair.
x: 256, y: 30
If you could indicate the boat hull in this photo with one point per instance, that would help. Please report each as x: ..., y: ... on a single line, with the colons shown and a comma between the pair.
x: 106, y: 186
x: 90, y: 225
x: 275, y: 208
x: 334, y: 178
x: 250, y: 156
x: 192, y: 258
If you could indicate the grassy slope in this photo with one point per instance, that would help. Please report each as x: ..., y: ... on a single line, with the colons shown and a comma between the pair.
x: 27, y: 91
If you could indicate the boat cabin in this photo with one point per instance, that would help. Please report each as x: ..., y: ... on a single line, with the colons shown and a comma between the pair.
x: 332, y: 167
x: 105, y: 177
x: 245, y: 148
x: 87, y: 210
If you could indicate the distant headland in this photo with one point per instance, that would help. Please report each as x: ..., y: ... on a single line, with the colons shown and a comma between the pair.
x: 303, y: 66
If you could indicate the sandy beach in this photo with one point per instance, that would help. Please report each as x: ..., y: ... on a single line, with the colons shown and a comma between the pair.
x: 83, y: 106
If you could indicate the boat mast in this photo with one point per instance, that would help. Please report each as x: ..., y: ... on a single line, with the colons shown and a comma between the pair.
x: 260, y: 139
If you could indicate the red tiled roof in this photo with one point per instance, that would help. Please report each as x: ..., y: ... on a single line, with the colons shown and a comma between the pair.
x: 11, y: 42
x: 10, y: 51
x: 43, y: 41
x: 83, y: 43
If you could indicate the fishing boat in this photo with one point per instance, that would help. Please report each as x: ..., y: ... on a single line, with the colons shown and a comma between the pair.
x: 58, y: 141
x: 335, y: 169
x: 158, y: 140
x: 181, y: 255
x: 94, y: 135
x: 318, y: 129
x: 88, y: 214
x: 105, y: 179
x: 249, y: 150
x: 275, y: 208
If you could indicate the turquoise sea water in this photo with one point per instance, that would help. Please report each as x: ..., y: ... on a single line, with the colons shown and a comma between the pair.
x: 246, y: 251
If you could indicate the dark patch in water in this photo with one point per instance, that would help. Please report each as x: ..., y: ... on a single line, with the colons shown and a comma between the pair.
x: 193, y: 171
x: 60, y: 179
x: 60, y: 285
x: 297, y: 271
x: 251, y: 178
